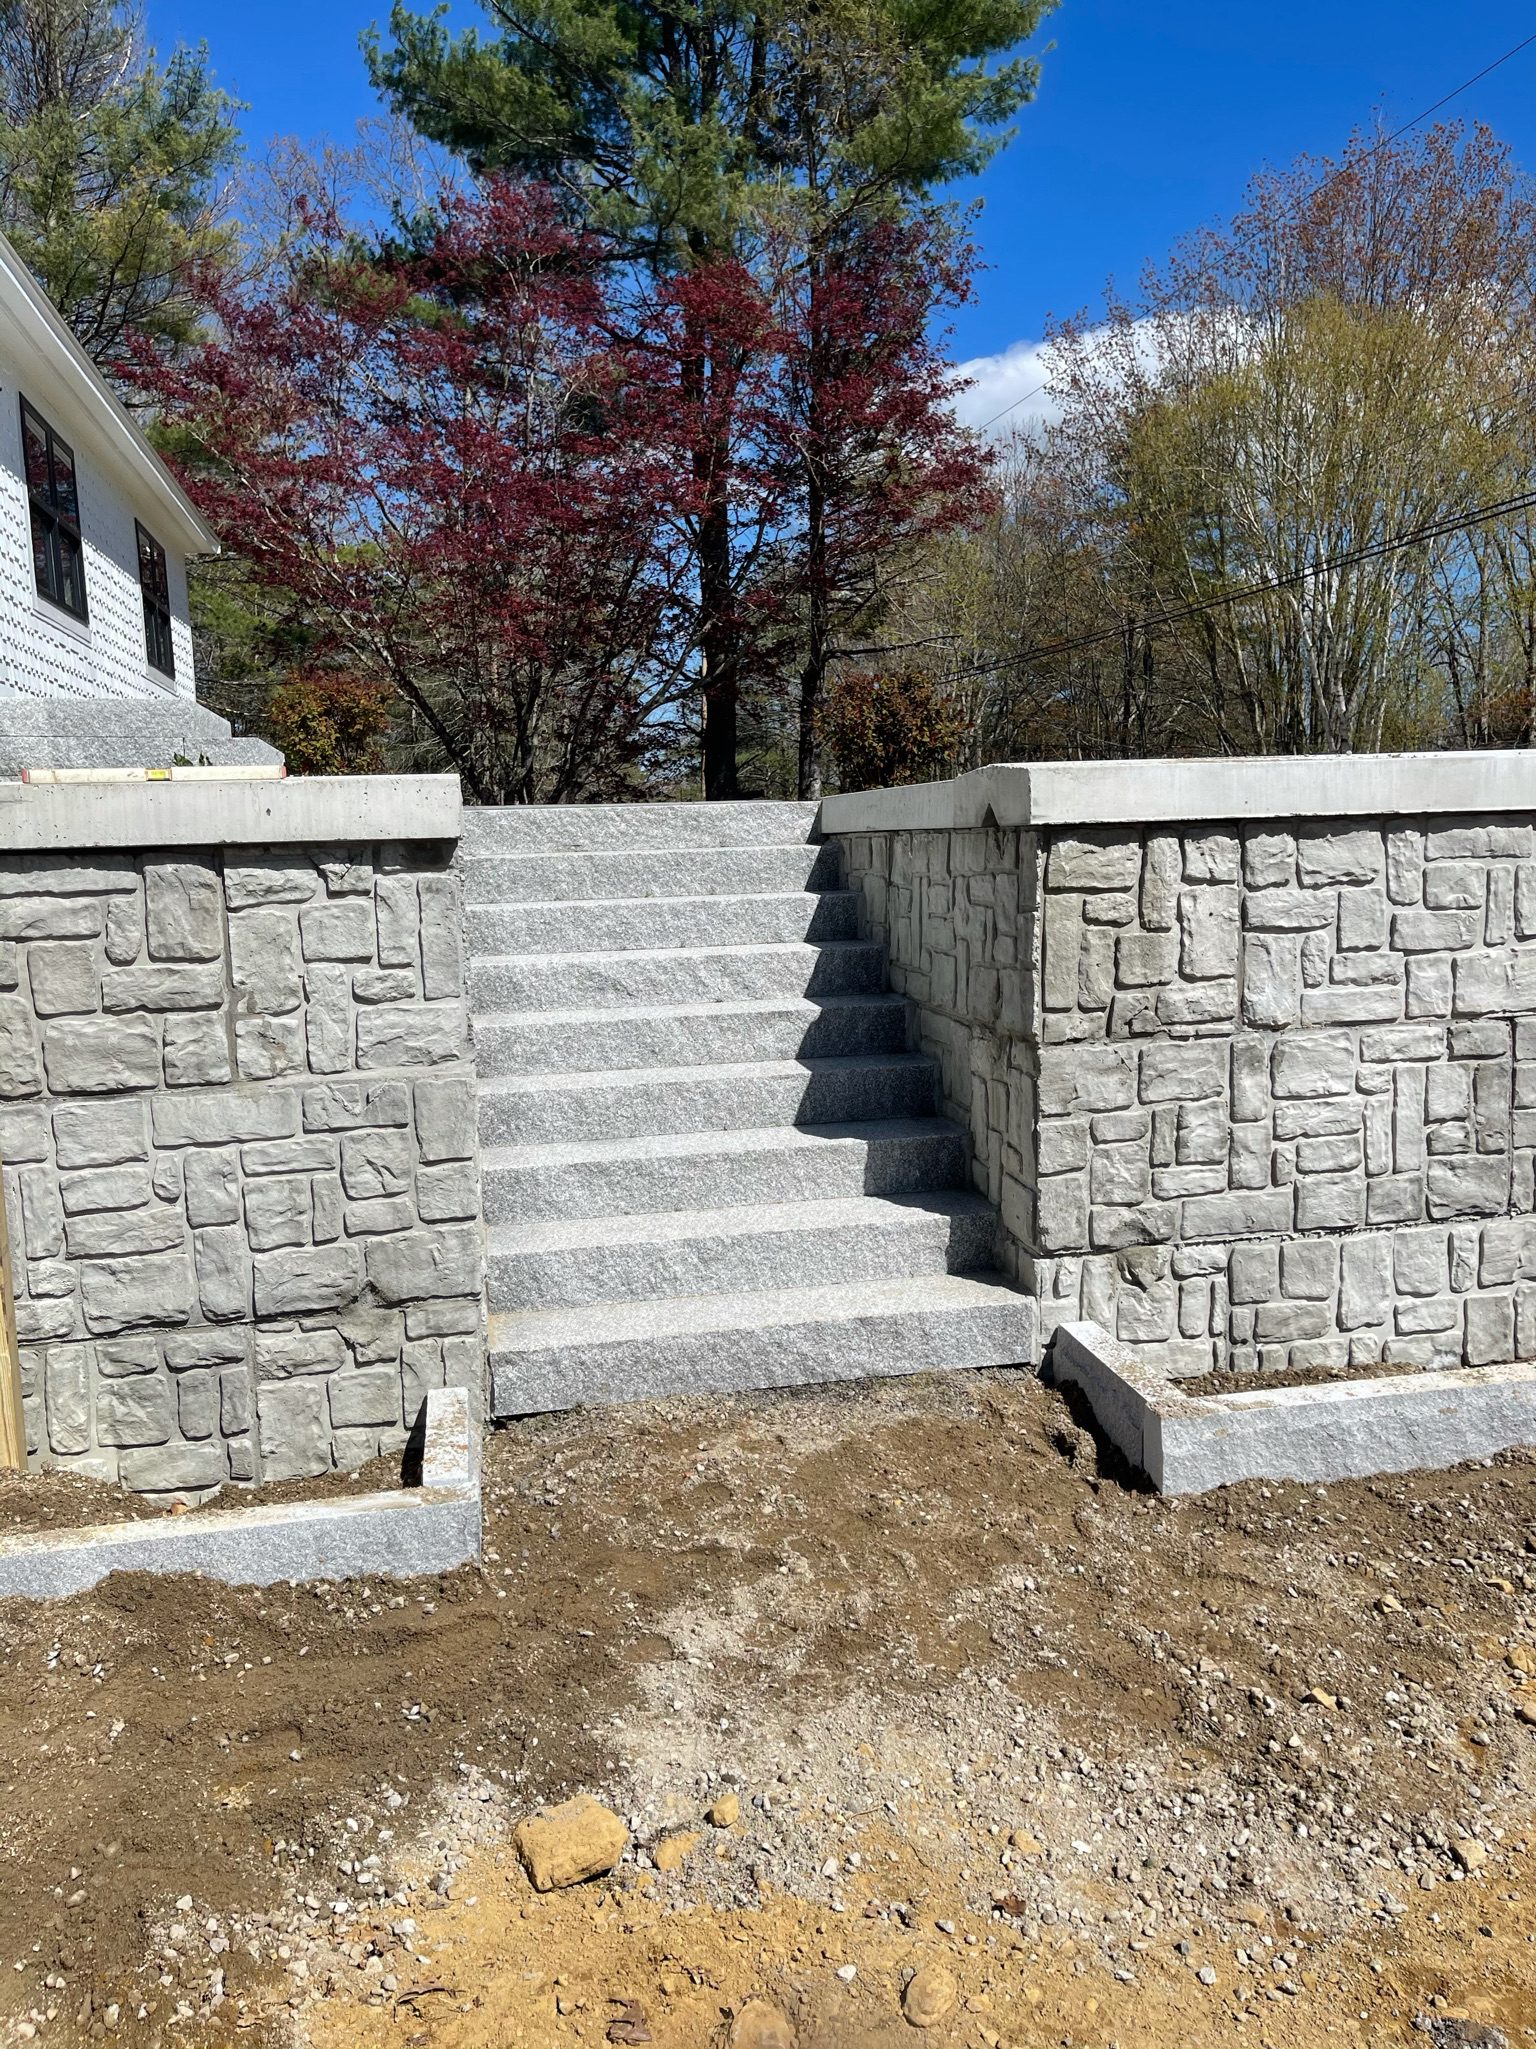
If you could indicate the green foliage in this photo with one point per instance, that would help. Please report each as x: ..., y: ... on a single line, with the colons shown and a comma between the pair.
x: 330, y: 724
x: 896, y: 726
x: 245, y: 639
x: 675, y: 125
x: 1203, y: 552
x: 108, y: 169
x: 749, y: 134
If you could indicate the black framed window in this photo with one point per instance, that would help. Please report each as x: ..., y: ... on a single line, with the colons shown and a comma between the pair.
x: 156, y: 587
x: 53, y: 499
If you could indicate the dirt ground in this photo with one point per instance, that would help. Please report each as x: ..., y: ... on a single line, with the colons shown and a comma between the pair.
x: 1256, y: 1768
x: 1294, y: 1376
x: 62, y: 1500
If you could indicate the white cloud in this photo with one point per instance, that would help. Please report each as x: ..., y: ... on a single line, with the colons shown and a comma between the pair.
x: 1006, y: 390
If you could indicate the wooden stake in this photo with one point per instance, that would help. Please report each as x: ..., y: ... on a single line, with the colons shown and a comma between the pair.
x: 13, y: 1428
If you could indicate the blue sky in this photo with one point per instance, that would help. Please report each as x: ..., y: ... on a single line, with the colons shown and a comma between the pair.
x: 1149, y: 120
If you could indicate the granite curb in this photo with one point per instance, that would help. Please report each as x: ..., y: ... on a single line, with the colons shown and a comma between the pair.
x: 399, y: 1534
x: 1347, y: 1429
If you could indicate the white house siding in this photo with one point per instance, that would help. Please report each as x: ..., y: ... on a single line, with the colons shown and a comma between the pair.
x: 44, y: 653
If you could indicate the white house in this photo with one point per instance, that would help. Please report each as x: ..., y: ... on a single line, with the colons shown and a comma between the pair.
x: 96, y: 664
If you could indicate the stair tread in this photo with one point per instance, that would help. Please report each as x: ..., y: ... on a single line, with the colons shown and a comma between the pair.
x: 708, y: 896
x: 700, y: 1144
x: 608, y: 924
x: 615, y: 958
x: 526, y: 1330
x: 633, y: 848
x: 777, y: 822
x: 747, y: 1070
x: 744, y: 1220
x: 731, y: 1006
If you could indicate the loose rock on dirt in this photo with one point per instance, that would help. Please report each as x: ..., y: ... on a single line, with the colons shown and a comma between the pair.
x: 566, y: 1844
x: 930, y: 1996
x: 761, y: 2026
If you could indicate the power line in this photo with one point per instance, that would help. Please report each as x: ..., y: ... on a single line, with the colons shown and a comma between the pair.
x: 1389, y: 544
x: 1385, y: 143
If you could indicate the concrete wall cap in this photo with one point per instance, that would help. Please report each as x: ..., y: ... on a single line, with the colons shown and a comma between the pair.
x: 70, y: 817
x: 1099, y: 793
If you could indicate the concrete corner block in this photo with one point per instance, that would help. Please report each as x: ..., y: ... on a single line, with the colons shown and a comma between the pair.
x: 427, y: 1529
x: 1119, y: 1389
x: 450, y: 1454
x: 1187, y: 1444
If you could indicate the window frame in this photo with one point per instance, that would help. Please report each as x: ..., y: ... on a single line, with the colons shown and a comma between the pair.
x: 157, y: 603
x: 57, y: 543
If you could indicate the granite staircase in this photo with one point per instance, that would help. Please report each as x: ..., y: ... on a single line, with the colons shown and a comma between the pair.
x: 709, y: 1159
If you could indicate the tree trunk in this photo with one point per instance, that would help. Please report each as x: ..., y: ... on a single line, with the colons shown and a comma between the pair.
x: 813, y: 674
x: 720, y: 744
x: 721, y: 665
x: 718, y: 643
x: 808, y: 783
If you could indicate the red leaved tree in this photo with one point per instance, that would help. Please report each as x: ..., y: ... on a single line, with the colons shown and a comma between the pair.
x: 440, y: 456
x: 864, y: 431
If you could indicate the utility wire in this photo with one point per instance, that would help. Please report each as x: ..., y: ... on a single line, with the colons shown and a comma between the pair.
x: 1385, y: 142
x: 1387, y: 545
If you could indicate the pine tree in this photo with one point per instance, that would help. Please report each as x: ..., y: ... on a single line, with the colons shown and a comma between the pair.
x: 109, y: 165
x: 696, y: 136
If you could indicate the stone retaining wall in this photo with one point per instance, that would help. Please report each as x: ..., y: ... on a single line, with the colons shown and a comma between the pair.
x: 238, y: 1134
x: 1257, y: 1090
x: 958, y: 912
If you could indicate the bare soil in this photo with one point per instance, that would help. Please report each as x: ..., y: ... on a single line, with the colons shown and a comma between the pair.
x: 1296, y: 1376
x: 66, y: 1501
x: 54, y: 1500
x: 1255, y: 1767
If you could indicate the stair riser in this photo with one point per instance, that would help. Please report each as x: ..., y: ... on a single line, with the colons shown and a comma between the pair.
x: 779, y: 1355
x: 649, y: 1108
x: 594, y: 1188
x: 587, y: 828
x: 593, y: 981
x: 709, y: 1266
x: 626, y: 876
x: 638, y: 927
x: 540, y: 1044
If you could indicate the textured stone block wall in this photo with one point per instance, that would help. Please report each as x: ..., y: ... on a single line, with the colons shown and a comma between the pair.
x: 238, y: 1135
x: 959, y: 915
x: 1269, y: 1099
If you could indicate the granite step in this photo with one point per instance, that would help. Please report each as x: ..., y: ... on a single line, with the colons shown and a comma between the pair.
x: 637, y: 874
x: 662, y: 923
x: 547, y: 1109
x: 715, y: 1169
x: 587, y: 828
x: 693, y: 1035
x: 566, y: 1262
x: 700, y: 974
x: 709, y: 1160
x: 697, y: 1344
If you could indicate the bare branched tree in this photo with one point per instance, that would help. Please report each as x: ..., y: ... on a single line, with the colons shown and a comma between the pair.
x: 1352, y: 359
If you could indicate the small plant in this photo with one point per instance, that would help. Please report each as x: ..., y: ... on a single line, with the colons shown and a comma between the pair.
x: 899, y: 727
x: 329, y: 724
